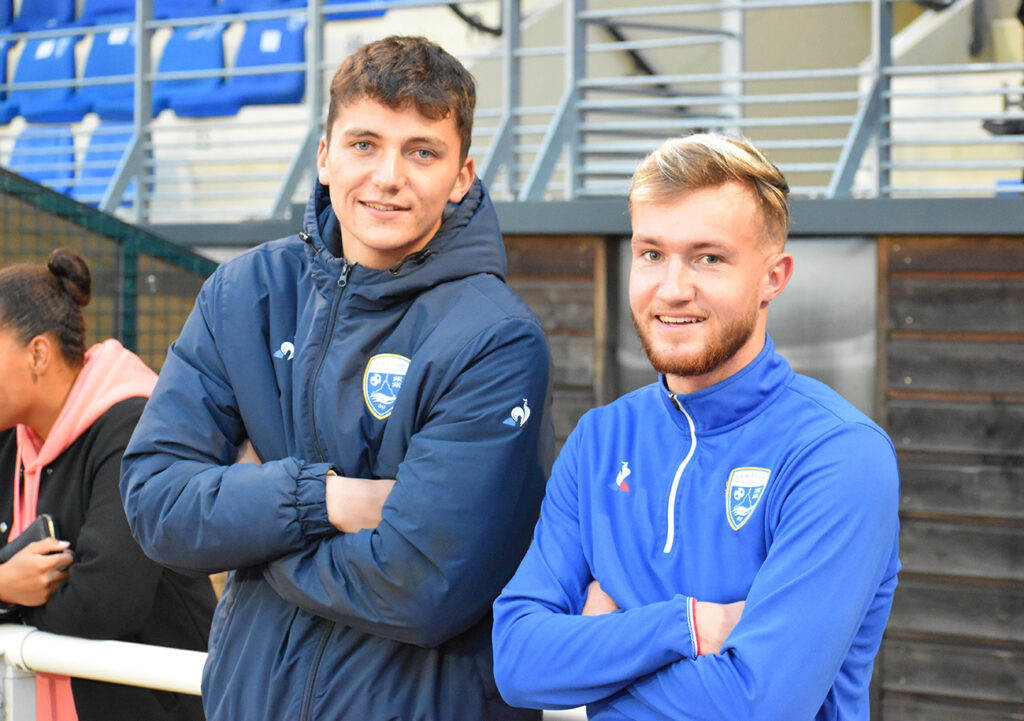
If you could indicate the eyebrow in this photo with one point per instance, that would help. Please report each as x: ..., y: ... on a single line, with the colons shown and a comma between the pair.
x: 367, y: 133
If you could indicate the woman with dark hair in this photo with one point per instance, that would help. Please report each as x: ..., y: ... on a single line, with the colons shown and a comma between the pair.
x: 66, y: 415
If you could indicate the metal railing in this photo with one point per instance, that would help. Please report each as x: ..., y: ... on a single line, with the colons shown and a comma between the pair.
x: 27, y: 650
x: 829, y: 88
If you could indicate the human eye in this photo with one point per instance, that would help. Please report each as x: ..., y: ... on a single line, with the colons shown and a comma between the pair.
x: 361, y: 146
x: 711, y: 259
x: 424, y: 154
x: 652, y: 256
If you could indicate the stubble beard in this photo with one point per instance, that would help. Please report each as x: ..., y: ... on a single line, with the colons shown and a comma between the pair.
x: 722, y: 346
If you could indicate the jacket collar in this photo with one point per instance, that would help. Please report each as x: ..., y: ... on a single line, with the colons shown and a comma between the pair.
x: 732, y: 401
x: 468, y: 242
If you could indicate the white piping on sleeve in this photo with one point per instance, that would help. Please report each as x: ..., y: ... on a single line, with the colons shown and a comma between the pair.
x: 675, y: 481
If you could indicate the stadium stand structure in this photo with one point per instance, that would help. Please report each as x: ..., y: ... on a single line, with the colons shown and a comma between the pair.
x: 112, y: 54
x: 266, y: 42
x: 46, y: 155
x: 44, y: 15
x: 107, y: 145
x: 45, y: 59
x: 190, y: 48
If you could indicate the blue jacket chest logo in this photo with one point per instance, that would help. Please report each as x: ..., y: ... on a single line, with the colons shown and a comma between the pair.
x: 382, y: 380
x: 742, y: 494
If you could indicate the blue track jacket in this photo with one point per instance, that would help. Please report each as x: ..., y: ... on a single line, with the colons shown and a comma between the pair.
x: 766, y: 487
x: 433, y: 373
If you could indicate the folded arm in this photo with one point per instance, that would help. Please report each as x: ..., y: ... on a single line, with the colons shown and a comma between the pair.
x: 189, y: 504
x: 457, y: 519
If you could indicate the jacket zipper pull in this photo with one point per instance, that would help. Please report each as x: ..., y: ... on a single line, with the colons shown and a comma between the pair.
x: 343, y: 278
x: 675, y: 402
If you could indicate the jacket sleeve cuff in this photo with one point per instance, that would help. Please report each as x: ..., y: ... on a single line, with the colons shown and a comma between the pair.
x: 691, y: 625
x: 311, y: 500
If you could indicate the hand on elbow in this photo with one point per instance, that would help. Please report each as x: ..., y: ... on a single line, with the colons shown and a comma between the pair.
x: 714, y: 623
x: 356, y: 503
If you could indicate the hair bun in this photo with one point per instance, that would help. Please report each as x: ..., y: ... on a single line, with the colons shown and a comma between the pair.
x: 73, y: 273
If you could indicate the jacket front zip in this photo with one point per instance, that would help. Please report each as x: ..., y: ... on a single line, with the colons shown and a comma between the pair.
x: 324, y: 347
x: 307, y: 698
x: 670, y: 539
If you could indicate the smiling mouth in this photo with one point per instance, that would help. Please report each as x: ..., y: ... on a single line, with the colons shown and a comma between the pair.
x: 380, y: 206
x: 671, y: 320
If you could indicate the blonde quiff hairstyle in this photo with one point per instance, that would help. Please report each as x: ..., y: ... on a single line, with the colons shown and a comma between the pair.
x: 707, y: 160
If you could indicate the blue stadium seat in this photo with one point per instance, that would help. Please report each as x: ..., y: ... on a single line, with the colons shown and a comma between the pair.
x: 44, y: 15
x: 4, y: 47
x: 45, y: 59
x: 6, y: 14
x: 107, y: 145
x: 45, y: 154
x: 330, y: 5
x: 183, y: 8
x: 99, y: 12
x: 190, y: 47
x: 112, y: 53
x: 266, y: 42
x: 251, y: 6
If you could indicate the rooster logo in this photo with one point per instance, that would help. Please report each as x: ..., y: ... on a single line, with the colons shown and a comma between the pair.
x: 519, y: 415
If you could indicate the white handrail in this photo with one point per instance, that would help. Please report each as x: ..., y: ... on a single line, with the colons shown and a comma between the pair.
x: 134, y: 664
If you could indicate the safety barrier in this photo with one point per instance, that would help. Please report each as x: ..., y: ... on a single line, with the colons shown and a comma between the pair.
x: 27, y: 650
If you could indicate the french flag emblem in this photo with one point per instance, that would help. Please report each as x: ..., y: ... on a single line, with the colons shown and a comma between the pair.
x: 620, y: 480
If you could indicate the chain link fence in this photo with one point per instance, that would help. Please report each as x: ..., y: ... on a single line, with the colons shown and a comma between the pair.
x: 143, y: 286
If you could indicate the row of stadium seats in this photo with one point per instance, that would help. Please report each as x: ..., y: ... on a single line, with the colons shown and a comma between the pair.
x: 46, y: 154
x: 189, y: 48
x: 49, y: 14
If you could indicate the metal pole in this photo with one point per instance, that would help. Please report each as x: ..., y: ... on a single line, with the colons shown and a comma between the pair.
x: 881, y: 51
x: 143, y: 110
x: 575, y: 71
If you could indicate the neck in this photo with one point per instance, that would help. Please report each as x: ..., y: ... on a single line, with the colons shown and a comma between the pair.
x: 55, y: 386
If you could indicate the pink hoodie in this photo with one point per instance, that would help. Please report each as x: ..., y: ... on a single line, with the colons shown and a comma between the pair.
x: 110, y: 375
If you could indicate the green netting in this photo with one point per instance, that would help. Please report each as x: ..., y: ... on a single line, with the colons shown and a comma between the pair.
x: 143, y: 286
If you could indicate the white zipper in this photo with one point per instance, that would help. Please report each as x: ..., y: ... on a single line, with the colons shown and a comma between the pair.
x: 679, y: 473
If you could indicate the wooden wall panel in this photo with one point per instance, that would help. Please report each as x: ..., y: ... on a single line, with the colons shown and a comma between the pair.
x: 560, y: 278
x: 951, y: 377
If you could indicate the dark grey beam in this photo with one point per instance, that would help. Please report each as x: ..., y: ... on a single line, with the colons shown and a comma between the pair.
x: 811, y: 218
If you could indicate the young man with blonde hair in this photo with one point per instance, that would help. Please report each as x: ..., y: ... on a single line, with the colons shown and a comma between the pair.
x: 387, y: 393
x: 721, y: 544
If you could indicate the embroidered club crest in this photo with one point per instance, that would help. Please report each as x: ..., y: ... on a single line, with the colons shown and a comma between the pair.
x: 382, y: 380
x: 742, y: 494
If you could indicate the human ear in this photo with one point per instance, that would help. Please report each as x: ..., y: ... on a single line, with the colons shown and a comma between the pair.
x: 466, y: 175
x: 322, y: 173
x: 780, y: 270
x: 40, y: 354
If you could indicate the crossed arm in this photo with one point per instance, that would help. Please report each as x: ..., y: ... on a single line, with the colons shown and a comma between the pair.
x: 829, y: 572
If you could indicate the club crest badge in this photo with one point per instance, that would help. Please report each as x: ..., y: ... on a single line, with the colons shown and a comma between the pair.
x: 382, y: 380
x: 742, y: 494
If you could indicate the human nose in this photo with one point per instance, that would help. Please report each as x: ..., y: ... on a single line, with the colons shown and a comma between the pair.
x: 677, y: 283
x: 388, y: 172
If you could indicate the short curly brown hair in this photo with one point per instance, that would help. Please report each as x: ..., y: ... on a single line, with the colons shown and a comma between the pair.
x: 402, y: 70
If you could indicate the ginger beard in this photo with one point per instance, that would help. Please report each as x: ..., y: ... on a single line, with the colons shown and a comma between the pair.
x: 724, y: 342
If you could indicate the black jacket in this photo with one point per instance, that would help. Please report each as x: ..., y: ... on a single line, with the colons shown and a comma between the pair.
x: 113, y: 590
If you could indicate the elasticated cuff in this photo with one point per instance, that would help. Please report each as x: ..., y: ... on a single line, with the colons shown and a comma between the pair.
x: 311, y: 500
x: 691, y: 624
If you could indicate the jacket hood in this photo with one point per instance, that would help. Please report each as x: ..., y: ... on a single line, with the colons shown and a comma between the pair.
x: 468, y: 242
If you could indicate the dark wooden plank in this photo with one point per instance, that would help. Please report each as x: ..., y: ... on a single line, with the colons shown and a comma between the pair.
x: 949, y: 427
x: 976, y: 489
x: 573, y: 360
x: 953, y: 671
x: 912, y: 707
x: 976, y: 306
x: 957, y: 253
x: 563, y: 256
x: 931, y: 365
x: 568, y: 407
x: 560, y: 306
x: 982, y: 611
x: 958, y: 549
